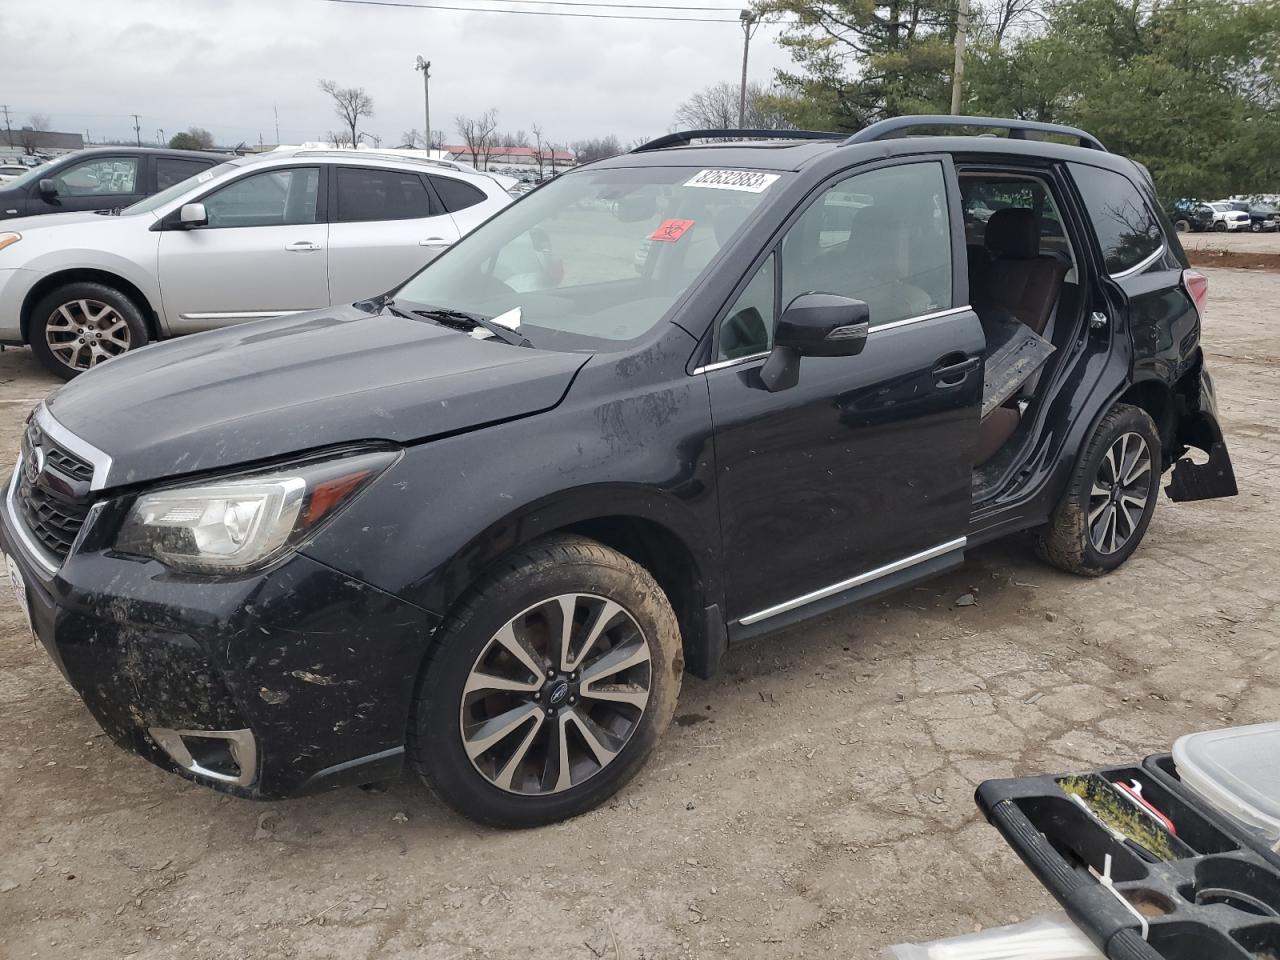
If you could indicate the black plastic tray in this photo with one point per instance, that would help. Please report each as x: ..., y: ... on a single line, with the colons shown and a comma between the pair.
x: 1066, y: 850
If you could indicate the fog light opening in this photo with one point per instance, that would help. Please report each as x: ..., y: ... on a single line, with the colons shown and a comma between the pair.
x: 227, y: 756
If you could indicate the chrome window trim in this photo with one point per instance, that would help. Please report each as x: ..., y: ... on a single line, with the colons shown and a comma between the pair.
x: 1141, y: 264
x: 867, y: 577
x: 240, y: 315
x: 893, y: 325
x: 64, y: 438
x: 19, y: 528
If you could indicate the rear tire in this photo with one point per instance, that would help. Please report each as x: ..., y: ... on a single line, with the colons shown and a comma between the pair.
x: 509, y: 747
x: 1256, y: 227
x: 81, y: 325
x: 1109, y: 501
x: 1182, y: 226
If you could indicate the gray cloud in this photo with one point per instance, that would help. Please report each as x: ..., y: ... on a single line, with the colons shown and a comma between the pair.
x: 223, y: 64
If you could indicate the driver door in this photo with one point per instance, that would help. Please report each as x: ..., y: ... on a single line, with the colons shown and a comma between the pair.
x: 859, y: 473
x: 261, y: 254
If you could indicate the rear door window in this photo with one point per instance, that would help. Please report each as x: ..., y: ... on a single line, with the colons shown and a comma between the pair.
x: 1128, y: 232
x: 171, y: 170
x: 455, y: 194
x: 366, y: 194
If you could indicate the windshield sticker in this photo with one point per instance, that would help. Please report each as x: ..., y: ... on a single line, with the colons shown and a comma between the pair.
x: 748, y: 181
x: 669, y: 231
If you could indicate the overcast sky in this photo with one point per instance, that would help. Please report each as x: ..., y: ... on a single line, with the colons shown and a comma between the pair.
x: 223, y: 65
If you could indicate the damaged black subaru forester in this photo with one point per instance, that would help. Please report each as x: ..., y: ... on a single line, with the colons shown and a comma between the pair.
x: 666, y: 403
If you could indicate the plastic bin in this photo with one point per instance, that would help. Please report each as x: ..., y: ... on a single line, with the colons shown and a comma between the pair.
x: 1237, y: 770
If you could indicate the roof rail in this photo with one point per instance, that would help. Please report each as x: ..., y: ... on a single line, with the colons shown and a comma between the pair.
x: 685, y: 137
x: 1017, y: 128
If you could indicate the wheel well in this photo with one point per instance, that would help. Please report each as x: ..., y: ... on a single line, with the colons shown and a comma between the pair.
x: 88, y: 275
x: 666, y: 557
x: 1156, y: 399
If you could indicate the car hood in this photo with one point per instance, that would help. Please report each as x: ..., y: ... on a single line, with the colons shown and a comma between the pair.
x: 275, y: 387
x: 36, y: 225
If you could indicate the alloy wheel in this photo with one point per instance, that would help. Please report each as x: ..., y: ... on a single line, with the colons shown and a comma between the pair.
x: 1121, y: 489
x: 556, y: 694
x: 83, y: 333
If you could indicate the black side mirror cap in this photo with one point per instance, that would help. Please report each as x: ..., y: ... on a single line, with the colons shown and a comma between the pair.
x: 814, y: 325
x: 47, y: 188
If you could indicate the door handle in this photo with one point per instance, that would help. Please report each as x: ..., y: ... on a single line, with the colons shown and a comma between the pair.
x: 301, y: 246
x: 950, y: 372
x: 434, y: 242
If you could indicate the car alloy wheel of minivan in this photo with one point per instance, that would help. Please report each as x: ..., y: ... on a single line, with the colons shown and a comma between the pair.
x: 81, y: 325
x: 547, y: 686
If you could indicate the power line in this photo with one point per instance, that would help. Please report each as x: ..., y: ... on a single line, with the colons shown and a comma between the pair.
x: 530, y: 13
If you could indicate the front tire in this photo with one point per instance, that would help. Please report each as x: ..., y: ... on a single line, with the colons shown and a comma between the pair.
x: 1182, y: 226
x: 548, y: 685
x: 80, y: 325
x: 1256, y: 227
x: 1220, y: 226
x: 1109, y: 502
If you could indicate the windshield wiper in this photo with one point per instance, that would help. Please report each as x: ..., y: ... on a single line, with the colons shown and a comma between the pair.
x: 460, y: 320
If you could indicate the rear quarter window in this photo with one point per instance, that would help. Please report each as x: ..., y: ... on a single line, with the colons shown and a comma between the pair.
x: 455, y: 194
x: 1128, y: 232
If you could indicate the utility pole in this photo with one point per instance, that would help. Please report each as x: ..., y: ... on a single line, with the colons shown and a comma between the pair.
x: 749, y: 24
x: 7, y: 129
x: 425, y: 67
x: 276, y: 111
x: 957, y: 76
x: 160, y: 136
x: 137, y: 128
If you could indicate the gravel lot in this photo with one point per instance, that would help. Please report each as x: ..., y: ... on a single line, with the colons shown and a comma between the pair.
x: 816, y: 800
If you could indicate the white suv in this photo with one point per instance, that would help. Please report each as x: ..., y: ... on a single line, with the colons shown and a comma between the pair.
x: 254, y: 237
x: 1227, y: 217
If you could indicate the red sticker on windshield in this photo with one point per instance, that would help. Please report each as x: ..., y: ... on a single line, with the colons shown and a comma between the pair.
x: 671, y: 230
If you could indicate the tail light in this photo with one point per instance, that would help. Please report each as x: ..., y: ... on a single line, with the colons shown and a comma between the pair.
x: 1197, y: 286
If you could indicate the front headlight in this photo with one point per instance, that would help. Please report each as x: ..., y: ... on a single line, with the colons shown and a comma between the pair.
x: 9, y: 238
x: 244, y: 522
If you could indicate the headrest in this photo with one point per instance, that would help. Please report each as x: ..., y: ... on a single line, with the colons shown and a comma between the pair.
x: 1013, y: 234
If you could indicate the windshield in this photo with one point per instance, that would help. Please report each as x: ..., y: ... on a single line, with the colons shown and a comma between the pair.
x: 176, y: 190
x: 31, y: 176
x: 594, y: 258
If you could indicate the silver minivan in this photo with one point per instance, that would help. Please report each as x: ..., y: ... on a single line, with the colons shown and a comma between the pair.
x: 254, y: 237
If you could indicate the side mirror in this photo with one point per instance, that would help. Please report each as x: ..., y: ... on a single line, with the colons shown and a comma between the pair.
x: 814, y: 325
x: 193, y: 215
x: 48, y: 188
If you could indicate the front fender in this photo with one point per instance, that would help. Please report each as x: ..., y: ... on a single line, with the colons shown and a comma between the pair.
x: 437, y: 520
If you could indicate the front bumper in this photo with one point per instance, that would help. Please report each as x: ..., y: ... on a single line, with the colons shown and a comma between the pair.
x: 301, y: 677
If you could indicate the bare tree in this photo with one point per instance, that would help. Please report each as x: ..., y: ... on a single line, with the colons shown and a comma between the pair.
x: 201, y: 136
x: 412, y: 138
x: 540, y: 149
x: 36, y: 124
x: 517, y: 139
x: 373, y: 138
x: 339, y: 138
x: 478, y: 133
x: 716, y: 107
x: 1002, y: 16
x: 597, y: 148
x: 350, y: 104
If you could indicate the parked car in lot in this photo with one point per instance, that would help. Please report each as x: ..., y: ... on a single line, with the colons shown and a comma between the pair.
x: 101, y: 178
x: 1192, y: 216
x: 1226, y: 217
x: 482, y: 523
x: 254, y: 237
x: 11, y: 171
x: 1262, y: 217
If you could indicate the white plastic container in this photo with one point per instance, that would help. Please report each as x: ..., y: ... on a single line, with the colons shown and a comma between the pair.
x: 1238, y: 771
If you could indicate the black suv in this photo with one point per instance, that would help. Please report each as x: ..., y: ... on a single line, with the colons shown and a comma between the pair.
x: 666, y: 403
x: 101, y: 178
x: 1262, y: 218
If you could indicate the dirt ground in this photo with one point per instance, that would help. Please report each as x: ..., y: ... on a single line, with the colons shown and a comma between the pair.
x: 815, y: 800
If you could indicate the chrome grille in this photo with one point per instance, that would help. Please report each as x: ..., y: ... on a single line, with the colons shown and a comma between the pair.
x: 49, y: 496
